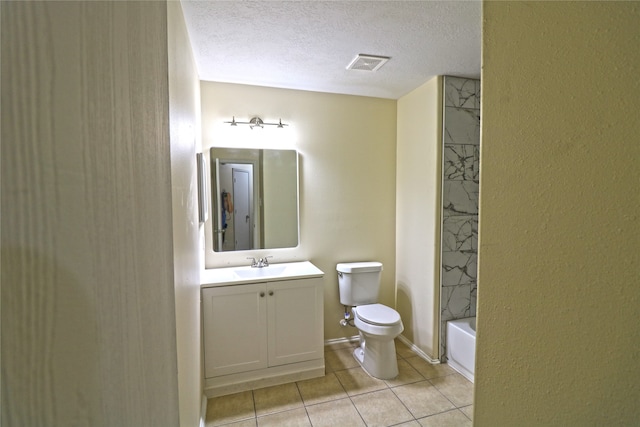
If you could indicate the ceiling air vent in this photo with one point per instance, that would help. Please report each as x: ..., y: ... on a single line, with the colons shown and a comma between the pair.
x: 367, y: 62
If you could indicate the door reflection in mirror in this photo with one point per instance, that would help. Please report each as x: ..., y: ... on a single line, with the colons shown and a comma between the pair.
x: 255, y: 205
x: 236, y: 206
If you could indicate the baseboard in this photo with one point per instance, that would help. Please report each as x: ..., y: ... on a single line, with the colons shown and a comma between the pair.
x: 417, y: 350
x: 266, y: 377
x: 404, y: 340
x: 350, y: 340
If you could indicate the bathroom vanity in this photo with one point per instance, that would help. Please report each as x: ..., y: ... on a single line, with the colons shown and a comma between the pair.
x: 261, y: 326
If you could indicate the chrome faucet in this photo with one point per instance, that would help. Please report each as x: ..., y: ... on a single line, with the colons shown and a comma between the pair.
x: 260, y: 262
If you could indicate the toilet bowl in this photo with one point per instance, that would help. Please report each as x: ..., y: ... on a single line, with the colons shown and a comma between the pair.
x: 378, y: 326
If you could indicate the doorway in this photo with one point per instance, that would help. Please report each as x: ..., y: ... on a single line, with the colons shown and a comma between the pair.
x: 235, y: 219
x: 242, y: 216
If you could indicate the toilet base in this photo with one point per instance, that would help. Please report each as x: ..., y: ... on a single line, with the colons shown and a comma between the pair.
x: 377, y: 357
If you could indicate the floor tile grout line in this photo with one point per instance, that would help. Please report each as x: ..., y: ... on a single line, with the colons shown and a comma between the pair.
x: 403, y: 404
x: 464, y: 413
x: 444, y: 412
x: 446, y: 397
x: 255, y: 406
x: 350, y: 397
x: 304, y: 405
x: 357, y: 410
x: 386, y: 386
x: 442, y: 394
x: 375, y: 391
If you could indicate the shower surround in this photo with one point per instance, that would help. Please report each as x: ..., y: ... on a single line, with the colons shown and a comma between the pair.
x: 460, y: 182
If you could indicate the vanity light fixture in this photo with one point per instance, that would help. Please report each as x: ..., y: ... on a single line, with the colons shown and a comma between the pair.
x: 256, y: 122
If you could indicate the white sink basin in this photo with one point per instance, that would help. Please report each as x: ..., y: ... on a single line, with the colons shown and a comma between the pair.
x: 251, y: 272
x: 245, y: 274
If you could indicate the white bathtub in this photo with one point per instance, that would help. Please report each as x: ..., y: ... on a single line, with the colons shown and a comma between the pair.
x: 461, y: 346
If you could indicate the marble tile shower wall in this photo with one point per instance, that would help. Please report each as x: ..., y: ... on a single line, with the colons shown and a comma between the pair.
x: 460, y: 184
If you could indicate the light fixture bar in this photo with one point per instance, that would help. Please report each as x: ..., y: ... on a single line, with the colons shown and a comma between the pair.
x: 256, y: 122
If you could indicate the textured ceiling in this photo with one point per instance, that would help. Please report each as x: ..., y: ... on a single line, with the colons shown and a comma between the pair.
x: 307, y: 45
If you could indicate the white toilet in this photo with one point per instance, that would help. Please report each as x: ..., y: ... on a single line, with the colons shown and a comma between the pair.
x: 378, y: 324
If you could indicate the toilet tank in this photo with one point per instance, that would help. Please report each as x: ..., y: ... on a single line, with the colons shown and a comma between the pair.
x: 359, y: 282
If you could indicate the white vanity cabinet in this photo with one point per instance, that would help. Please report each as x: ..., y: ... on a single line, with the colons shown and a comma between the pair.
x: 235, y: 329
x: 295, y: 326
x: 262, y: 332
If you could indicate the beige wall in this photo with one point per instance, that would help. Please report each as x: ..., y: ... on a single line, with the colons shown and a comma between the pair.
x: 184, y: 114
x: 558, y: 262
x: 418, y: 188
x: 88, y: 311
x: 347, y: 176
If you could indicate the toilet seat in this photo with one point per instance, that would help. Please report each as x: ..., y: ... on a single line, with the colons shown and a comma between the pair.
x: 377, y: 314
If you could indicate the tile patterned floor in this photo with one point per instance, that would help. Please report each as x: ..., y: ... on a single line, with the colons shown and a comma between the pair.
x: 422, y: 395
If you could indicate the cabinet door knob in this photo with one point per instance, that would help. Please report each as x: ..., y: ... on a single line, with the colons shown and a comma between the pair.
x: 261, y: 294
x: 270, y: 292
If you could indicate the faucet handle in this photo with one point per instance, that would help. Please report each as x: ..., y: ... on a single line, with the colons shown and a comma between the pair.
x: 265, y: 261
x: 254, y: 262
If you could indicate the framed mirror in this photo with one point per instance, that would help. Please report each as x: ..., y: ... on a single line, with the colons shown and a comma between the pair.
x: 254, y: 198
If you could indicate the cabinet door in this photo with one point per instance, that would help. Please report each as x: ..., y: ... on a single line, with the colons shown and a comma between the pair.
x: 235, y: 331
x: 296, y: 328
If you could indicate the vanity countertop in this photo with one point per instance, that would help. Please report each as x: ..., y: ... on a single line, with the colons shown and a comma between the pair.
x: 245, y: 274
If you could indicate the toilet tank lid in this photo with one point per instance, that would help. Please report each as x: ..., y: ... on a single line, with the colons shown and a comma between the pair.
x: 359, y: 267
